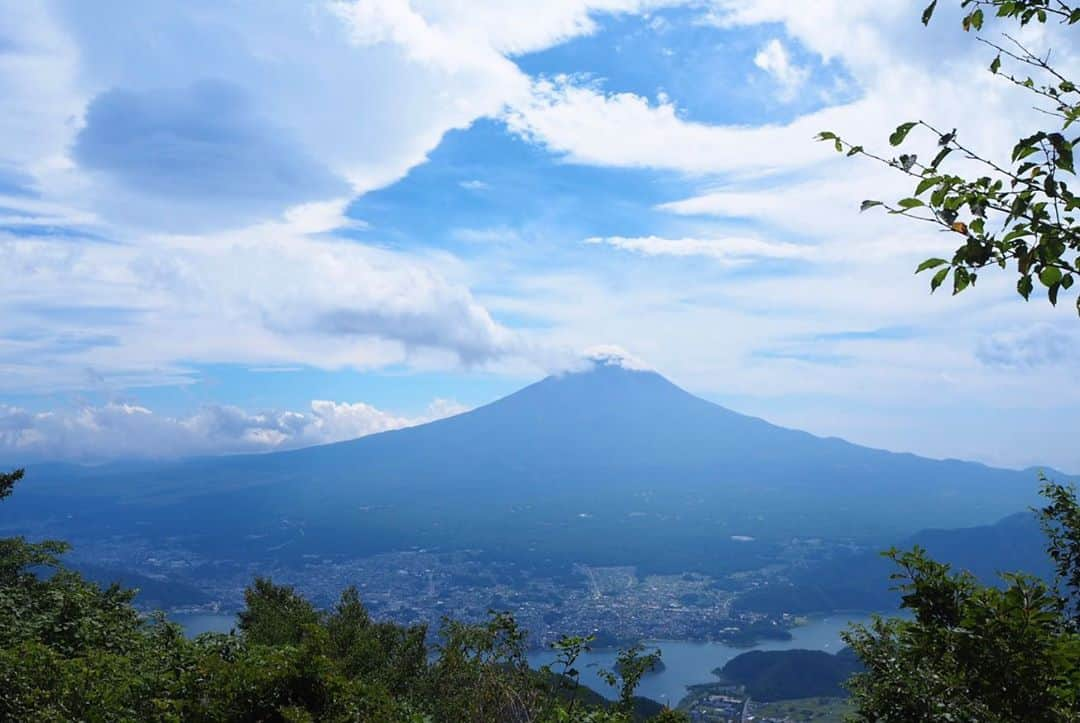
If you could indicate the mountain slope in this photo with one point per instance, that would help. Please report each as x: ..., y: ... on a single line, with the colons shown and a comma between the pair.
x: 861, y: 581
x: 604, y: 466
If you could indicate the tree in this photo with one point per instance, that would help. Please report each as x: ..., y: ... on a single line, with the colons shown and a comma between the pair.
x: 1018, y: 212
x: 971, y: 652
x: 631, y: 665
x: 8, y: 480
x: 275, y: 614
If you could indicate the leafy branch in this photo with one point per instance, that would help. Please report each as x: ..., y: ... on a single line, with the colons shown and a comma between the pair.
x: 1022, y: 213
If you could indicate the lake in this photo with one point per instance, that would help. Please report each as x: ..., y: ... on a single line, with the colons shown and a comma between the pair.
x: 686, y: 663
x: 689, y: 663
x: 199, y: 623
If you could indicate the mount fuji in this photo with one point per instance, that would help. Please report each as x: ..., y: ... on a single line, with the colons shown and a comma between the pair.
x: 613, y: 464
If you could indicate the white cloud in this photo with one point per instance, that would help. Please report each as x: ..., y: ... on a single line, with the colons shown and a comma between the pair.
x: 625, y: 129
x: 1040, y: 345
x: 231, y: 269
x: 614, y: 355
x: 393, y: 77
x: 264, y: 296
x: 120, y: 430
x: 774, y: 59
x: 731, y: 251
x: 492, y: 235
x: 474, y: 184
x: 320, y: 216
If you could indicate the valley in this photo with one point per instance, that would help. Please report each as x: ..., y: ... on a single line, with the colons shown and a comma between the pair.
x: 616, y: 603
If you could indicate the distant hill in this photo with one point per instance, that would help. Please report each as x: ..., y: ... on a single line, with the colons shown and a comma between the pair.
x: 785, y: 674
x: 861, y: 581
x: 154, y: 593
x: 604, y: 466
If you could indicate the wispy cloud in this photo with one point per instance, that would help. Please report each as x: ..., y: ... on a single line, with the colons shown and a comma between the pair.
x: 733, y: 250
x: 1041, y: 345
x: 265, y: 295
x: 474, y: 184
x: 775, y: 60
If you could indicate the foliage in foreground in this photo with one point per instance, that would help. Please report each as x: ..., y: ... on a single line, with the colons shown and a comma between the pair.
x: 1005, y: 207
x: 70, y: 650
x: 977, y: 654
x: 969, y: 652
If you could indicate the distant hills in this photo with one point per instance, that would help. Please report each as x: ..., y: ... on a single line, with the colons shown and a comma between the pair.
x: 154, y: 593
x: 861, y: 581
x: 605, y: 466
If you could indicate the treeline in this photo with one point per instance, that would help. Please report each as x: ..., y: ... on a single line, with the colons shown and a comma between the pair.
x: 73, y: 650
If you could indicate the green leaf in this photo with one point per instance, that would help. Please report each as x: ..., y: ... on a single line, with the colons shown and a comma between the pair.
x: 1050, y: 275
x: 865, y: 205
x: 1052, y: 294
x: 928, y: 12
x: 1063, y: 151
x: 901, y: 133
x: 930, y: 264
x: 1024, y: 286
x: 1067, y: 281
x: 826, y: 136
x: 907, y: 203
x: 1026, y: 146
x: 855, y: 150
x: 939, y: 277
x: 1023, y: 152
x: 996, y: 65
x: 926, y: 184
x: 961, y: 279
x: 1050, y: 187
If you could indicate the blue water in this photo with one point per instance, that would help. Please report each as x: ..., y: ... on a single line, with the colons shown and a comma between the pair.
x: 686, y: 663
x: 199, y: 623
x: 689, y: 663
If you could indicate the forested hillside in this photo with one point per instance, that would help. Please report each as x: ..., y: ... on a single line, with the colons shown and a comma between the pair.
x: 771, y: 675
x: 72, y: 650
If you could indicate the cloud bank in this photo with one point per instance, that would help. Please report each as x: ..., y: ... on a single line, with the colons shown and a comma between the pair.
x: 120, y: 430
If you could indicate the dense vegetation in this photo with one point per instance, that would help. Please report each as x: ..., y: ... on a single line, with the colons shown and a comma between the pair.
x: 72, y: 650
x: 972, y: 652
x: 771, y: 675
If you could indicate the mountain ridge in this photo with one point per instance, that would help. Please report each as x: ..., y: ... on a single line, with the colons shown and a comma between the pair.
x: 605, y: 466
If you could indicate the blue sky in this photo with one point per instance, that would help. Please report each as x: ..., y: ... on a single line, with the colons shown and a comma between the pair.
x: 253, y: 226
